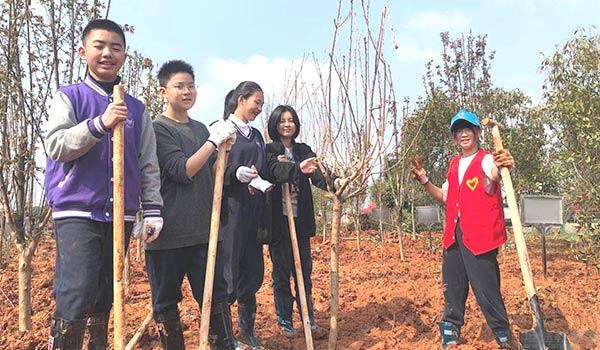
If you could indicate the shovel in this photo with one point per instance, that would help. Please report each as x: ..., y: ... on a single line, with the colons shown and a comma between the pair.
x: 118, y: 227
x: 212, y: 247
x: 298, y: 266
x: 538, y: 338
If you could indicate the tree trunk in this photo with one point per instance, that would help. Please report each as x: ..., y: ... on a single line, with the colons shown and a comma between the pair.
x: 138, y: 251
x: 2, y: 221
x: 335, y: 278
x: 380, y: 219
x: 324, y: 227
x: 357, y: 224
x: 412, y: 214
x: 26, y: 252
x: 127, y: 270
x: 400, y: 242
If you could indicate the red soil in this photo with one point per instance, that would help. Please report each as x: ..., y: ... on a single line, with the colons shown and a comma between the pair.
x: 385, y: 303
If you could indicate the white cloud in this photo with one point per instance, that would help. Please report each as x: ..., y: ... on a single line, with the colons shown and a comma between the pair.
x: 409, y: 51
x: 219, y: 76
x: 438, y: 21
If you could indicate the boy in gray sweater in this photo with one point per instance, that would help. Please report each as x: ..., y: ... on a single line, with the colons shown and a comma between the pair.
x: 185, y: 150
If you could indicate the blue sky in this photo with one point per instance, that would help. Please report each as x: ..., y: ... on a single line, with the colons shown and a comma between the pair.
x: 232, y: 40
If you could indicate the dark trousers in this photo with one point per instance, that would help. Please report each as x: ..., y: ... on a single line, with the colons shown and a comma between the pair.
x: 83, y: 279
x: 283, y: 268
x: 244, y: 265
x: 461, y: 268
x: 167, y: 268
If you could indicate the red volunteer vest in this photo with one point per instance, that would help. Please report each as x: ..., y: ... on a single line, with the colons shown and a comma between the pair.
x: 481, y: 214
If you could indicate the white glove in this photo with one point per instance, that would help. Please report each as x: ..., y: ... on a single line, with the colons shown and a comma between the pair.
x: 245, y: 174
x: 221, y: 131
x: 148, y: 229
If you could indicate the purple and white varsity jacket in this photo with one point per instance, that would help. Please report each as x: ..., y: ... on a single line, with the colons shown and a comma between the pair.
x: 78, y: 176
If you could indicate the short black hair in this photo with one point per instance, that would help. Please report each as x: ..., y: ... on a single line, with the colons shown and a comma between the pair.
x: 170, y: 68
x: 244, y: 89
x: 276, y: 117
x: 103, y: 24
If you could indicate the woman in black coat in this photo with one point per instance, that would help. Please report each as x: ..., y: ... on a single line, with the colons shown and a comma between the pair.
x: 284, y: 127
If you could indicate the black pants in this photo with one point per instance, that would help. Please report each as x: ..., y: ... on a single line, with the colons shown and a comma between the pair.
x: 244, y: 265
x: 83, y: 279
x: 461, y: 268
x: 283, y: 268
x: 167, y: 268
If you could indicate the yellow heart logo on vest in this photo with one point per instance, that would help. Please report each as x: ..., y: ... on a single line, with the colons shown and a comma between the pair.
x: 472, y: 183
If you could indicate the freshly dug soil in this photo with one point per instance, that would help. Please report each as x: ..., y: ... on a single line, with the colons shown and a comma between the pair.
x: 385, y: 303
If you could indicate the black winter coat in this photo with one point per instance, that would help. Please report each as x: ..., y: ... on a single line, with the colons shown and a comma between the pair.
x: 305, y: 221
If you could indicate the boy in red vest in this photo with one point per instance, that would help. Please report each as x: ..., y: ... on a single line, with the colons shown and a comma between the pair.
x: 473, y: 233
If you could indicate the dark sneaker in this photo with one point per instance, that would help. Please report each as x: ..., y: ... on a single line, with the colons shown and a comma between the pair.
x: 450, y: 334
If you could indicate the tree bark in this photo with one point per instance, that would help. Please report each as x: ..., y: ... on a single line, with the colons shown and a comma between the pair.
x: 400, y: 241
x: 335, y: 278
x: 412, y: 214
x: 127, y: 270
x: 357, y: 224
x: 138, y: 251
x: 26, y: 252
x: 380, y: 218
x: 2, y: 221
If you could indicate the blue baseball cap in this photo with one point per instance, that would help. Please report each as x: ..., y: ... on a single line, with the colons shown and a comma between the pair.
x: 465, y: 115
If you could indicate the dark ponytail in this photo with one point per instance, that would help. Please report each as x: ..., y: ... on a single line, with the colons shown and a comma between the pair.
x: 230, y: 104
x: 245, y: 89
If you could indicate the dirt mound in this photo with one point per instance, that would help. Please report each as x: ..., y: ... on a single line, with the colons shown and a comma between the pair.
x: 385, y: 303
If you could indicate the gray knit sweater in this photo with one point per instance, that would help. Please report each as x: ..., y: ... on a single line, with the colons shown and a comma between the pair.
x: 187, y: 201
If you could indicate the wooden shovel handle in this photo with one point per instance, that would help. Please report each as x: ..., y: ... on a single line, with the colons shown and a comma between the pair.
x: 515, y: 218
x: 118, y: 138
x: 212, y: 247
x: 298, y: 266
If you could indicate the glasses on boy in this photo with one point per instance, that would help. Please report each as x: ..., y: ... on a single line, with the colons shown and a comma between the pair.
x: 182, y: 87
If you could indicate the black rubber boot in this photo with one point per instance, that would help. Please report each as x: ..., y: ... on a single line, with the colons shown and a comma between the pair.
x: 221, y: 333
x: 247, y: 315
x: 450, y: 334
x: 66, y: 335
x: 97, y: 327
x: 169, y: 330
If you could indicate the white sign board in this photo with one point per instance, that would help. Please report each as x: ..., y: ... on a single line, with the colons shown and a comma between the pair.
x: 541, y: 210
x: 427, y: 215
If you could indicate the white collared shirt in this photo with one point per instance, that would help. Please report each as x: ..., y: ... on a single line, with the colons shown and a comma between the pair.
x: 243, y: 127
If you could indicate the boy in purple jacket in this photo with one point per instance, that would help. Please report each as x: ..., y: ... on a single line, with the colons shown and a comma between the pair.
x: 78, y: 185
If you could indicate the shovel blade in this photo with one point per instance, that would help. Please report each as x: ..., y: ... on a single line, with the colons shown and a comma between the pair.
x: 552, y: 341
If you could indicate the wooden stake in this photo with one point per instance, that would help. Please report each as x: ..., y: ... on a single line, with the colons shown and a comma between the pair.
x: 138, y: 251
x: 298, y: 267
x: 212, y: 248
x: 139, y: 333
x: 515, y: 219
x: 118, y: 226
